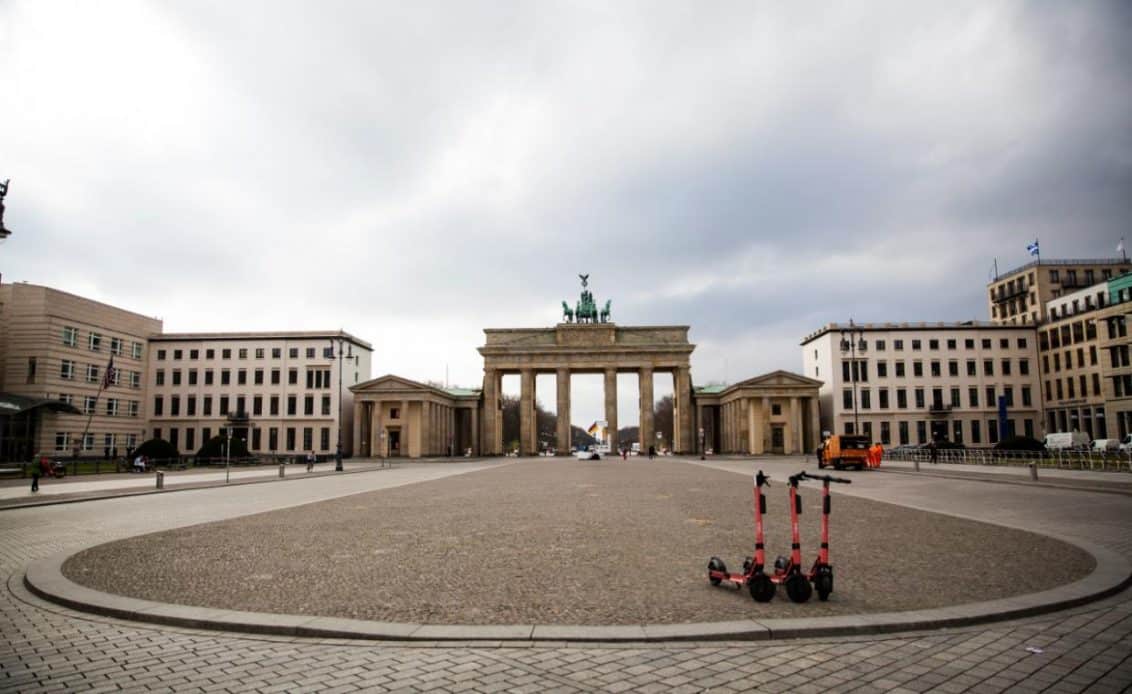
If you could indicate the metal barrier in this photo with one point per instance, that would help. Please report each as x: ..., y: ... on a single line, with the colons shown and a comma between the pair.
x: 1116, y: 461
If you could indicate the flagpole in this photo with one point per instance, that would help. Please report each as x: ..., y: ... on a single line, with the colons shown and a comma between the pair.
x: 101, y: 386
x: 1038, y: 248
x: 1123, y: 252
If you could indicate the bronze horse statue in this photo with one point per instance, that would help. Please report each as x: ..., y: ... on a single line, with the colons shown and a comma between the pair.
x: 567, y: 313
x: 605, y: 311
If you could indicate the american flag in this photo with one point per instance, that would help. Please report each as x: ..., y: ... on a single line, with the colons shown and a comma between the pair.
x: 108, y: 377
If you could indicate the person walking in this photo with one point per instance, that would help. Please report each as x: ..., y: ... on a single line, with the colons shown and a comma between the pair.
x: 934, y: 452
x: 35, y: 479
x: 652, y: 452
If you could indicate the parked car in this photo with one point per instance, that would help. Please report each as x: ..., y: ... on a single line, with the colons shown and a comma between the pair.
x: 1069, y: 440
x: 1106, y: 445
x: 1126, y: 443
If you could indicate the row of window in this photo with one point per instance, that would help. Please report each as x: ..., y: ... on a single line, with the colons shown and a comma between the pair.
x: 933, y: 344
x: 317, y: 379
x: 959, y: 431
x: 121, y: 443
x: 68, y: 369
x: 112, y: 407
x: 1086, y: 419
x: 226, y: 402
x: 858, y: 370
x: 1057, y: 358
x: 1070, y: 334
x: 865, y: 398
x: 173, y: 436
x: 95, y: 342
x: 242, y: 353
x: 1071, y: 389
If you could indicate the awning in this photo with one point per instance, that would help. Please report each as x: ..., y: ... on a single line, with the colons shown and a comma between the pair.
x: 12, y: 404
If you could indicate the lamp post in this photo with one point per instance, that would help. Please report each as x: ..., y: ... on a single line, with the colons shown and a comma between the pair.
x: 849, y: 339
x: 340, y: 356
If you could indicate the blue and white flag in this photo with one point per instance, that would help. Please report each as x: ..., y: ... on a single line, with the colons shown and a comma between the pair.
x: 1033, y: 248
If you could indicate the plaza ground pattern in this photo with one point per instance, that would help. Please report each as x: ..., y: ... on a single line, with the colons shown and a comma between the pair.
x: 570, y: 542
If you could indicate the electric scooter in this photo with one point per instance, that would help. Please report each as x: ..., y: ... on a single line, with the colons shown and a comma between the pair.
x: 789, y: 571
x: 821, y: 574
x: 760, y: 585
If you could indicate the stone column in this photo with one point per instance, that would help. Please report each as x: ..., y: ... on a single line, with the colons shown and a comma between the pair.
x: 754, y: 431
x: 562, y: 446
x: 475, y: 432
x: 489, y: 441
x: 766, y: 438
x: 611, y: 408
x: 684, y: 424
x: 526, y: 411
x: 815, y: 426
x: 798, y: 443
x: 648, y: 437
x: 377, y: 425
x: 359, y: 406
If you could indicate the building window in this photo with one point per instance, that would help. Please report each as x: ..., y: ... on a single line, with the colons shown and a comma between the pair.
x: 173, y: 438
x: 293, y: 353
x: 866, y: 399
x: 136, y: 350
x: 274, y: 409
x: 67, y: 369
x: 223, y: 405
x: 134, y: 408
x: 921, y: 431
x: 1005, y: 367
x: 242, y: 377
x: 62, y: 440
x: 933, y: 344
x: 991, y: 401
x: 194, y: 354
x: 899, y: 369
x: 275, y: 377
x: 901, y: 399
x: 953, y: 368
x: 208, y: 377
x: 882, y: 369
x: 94, y: 342
x: 70, y: 337
x: 986, y: 343
x: 955, y: 397
x: 1027, y: 398
x: 324, y: 436
x: 293, y: 377
x: 273, y: 438
x: 31, y: 369
x: 259, y: 352
x: 898, y: 345
x: 177, y: 354
x: 191, y: 406
x: 308, y: 439
x: 206, y: 408
x: 176, y: 377
x: 256, y: 439
x: 976, y: 434
x: 973, y: 397
x: 880, y: 345
x: 225, y: 377
x: 883, y: 398
x: 951, y: 344
x: 257, y: 405
x: 226, y: 354
x: 190, y: 438
x: 902, y: 427
x: 158, y: 406
x: 210, y: 354
x: 846, y: 400
x: 241, y: 405
x: 290, y: 438
x: 326, y: 406
x: 915, y: 345
x: 968, y: 344
x: 917, y: 369
x: 992, y: 430
x: 192, y: 377
x: 885, y: 434
x: 937, y: 369
x: 957, y: 432
x: 291, y: 405
x: 395, y: 412
x: 988, y: 367
x: 159, y: 377
x: 160, y: 355
x: 91, y: 373
x: 308, y: 405
x: 1024, y: 367
x: 258, y: 377
x: 112, y: 407
x: 175, y: 406
x: 243, y: 353
x: 276, y: 353
x: 310, y: 352
x: 135, y: 379
x: 919, y: 392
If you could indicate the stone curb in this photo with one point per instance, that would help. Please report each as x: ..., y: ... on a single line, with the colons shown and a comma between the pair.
x: 1112, y: 574
x: 976, y: 476
x: 189, y: 487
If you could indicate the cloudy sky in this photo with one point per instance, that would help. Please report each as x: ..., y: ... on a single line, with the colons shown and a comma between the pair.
x: 415, y: 172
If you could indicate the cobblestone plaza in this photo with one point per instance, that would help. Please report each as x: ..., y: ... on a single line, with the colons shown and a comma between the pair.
x: 50, y: 648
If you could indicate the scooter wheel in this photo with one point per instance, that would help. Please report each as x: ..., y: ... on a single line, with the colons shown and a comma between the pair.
x: 823, y: 584
x: 798, y: 588
x: 762, y: 588
x: 715, y: 564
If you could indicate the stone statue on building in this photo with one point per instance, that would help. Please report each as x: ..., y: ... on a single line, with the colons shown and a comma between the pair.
x: 3, y: 193
x: 586, y: 310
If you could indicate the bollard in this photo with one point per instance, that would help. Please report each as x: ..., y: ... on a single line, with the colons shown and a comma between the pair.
x: 281, y: 469
x: 1034, y: 471
x: 160, y: 479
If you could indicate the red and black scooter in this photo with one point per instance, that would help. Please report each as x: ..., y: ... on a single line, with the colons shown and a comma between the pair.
x: 761, y: 586
x: 789, y: 571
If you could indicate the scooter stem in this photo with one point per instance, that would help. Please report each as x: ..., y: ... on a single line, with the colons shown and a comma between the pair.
x: 760, y: 507
x: 795, y: 535
x: 823, y: 553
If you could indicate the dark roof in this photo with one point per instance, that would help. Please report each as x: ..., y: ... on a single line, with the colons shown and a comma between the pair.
x: 11, y: 404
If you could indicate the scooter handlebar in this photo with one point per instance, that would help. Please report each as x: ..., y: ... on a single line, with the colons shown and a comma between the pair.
x: 761, y: 479
x: 824, y: 478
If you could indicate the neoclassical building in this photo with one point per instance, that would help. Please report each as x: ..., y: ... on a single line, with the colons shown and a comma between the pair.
x: 774, y: 413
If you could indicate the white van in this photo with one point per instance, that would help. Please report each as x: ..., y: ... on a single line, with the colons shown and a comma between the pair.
x: 1063, y: 441
x: 1106, y: 445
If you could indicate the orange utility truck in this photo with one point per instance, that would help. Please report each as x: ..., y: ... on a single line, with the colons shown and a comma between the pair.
x: 845, y: 451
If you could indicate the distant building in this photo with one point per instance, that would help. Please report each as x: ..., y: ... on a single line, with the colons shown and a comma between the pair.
x: 910, y: 383
x: 1020, y: 296
x: 1071, y: 367
x: 286, y: 384
x: 56, y: 346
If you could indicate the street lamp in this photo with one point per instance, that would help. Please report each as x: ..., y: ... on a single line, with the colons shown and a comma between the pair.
x: 849, y: 342
x: 349, y: 354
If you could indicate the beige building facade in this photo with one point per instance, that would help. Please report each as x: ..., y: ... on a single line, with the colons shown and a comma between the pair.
x: 285, y: 383
x: 777, y: 412
x: 398, y: 417
x: 58, y: 346
x: 910, y: 383
x: 1071, y: 359
x: 1020, y: 296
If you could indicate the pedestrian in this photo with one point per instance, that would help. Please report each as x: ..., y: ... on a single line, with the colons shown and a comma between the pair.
x: 625, y: 454
x: 818, y: 453
x: 106, y: 453
x: 934, y: 452
x: 652, y: 452
x: 114, y: 453
x: 310, y: 461
x: 35, y: 479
